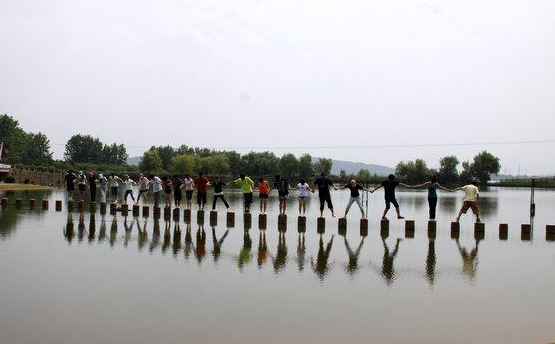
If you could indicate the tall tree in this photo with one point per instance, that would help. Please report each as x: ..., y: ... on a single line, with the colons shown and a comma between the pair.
x: 323, y: 165
x: 413, y: 171
x: 289, y: 166
x: 448, y: 169
x: 185, y: 164
x: 306, y: 169
x: 166, y: 153
x: 484, y: 165
x: 36, y: 149
x: 151, y: 162
x: 83, y: 148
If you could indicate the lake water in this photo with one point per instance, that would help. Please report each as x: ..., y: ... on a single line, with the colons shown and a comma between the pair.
x: 67, y: 278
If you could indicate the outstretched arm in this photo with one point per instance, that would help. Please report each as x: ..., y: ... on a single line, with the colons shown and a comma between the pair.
x: 376, y: 188
x: 422, y: 185
x: 444, y: 188
x: 406, y: 185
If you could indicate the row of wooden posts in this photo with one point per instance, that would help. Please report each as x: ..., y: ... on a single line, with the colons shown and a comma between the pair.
x: 479, y: 227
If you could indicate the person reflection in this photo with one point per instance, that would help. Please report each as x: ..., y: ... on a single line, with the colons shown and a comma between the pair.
x: 469, y: 260
x: 81, y: 228
x: 69, y: 229
x: 321, y: 267
x: 245, y: 253
x: 431, y: 262
x: 188, y: 241
x: 176, y: 247
x: 102, y: 231
x: 155, y: 236
x: 352, y: 266
x: 92, y: 228
x: 128, y: 229
x: 301, y: 251
x: 143, y: 235
x: 167, y: 237
x: 281, y: 255
x: 114, y: 231
x: 200, y: 249
x: 217, y: 251
x: 262, y: 249
x: 388, y: 269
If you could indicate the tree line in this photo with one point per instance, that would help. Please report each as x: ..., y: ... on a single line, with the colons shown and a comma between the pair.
x: 85, y: 152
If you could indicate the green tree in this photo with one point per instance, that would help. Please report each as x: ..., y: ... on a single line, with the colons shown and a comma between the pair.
x: 306, y: 169
x: 259, y: 164
x: 289, y: 166
x: 151, y: 161
x: 215, y: 164
x: 114, y: 154
x: 83, y: 148
x: 413, y: 171
x: 13, y: 137
x: 185, y: 164
x: 364, y: 175
x: 466, y: 174
x: 36, y: 150
x: 323, y: 165
x: 484, y: 165
x: 343, y: 175
x: 448, y: 170
x: 166, y: 153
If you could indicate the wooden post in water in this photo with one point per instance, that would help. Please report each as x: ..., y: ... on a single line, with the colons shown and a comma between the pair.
x: 103, y: 207
x: 409, y: 224
x: 136, y: 210
x: 213, y: 218
x: 113, y: 208
x: 247, y: 221
x: 70, y: 205
x: 432, y: 233
x: 364, y: 224
x: 503, y: 231
x: 32, y: 203
x: 384, y: 224
x: 321, y: 225
x: 81, y: 206
x: 200, y: 217
x: 432, y: 225
x: 282, y: 223
x: 156, y: 213
x: 58, y: 205
x: 167, y: 213
x: 18, y: 203
x: 92, y: 207
x: 342, y: 225
x: 230, y: 219
x: 176, y: 214
x: 262, y: 221
x: 525, y: 232
x: 550, y: 232
x: 409, y: 233
x: 146, y: 211
x: 124, y: 209
x: 187, y: 215
x: 301, y: 224
x: 44, y: 204
x: 455, y: 230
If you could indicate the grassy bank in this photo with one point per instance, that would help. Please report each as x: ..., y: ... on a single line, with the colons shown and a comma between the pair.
x: 539, y: 182
x: 22, y: 187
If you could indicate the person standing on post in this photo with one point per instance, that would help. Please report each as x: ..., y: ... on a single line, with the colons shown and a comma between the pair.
x: 303, y: 188
x: 353, y: 186
x: 219, y: 192
x: 82, y: 184
x: 324, y: 183
x: 157, y: 188
x: 114, y: 186
x: 283, y: 188
x: 177, y: 194
x: 201, y: 184
x: 432, y: 186
x: 389, y: 186
x: 103, y: 187
x: 92, y: 186
x: 129, y: 183
x: 246, y: 185
x: 189, y: 188
x: 143, y: 188
x: 264, y: 191
x: 471, y: 198
x: 70, y: 184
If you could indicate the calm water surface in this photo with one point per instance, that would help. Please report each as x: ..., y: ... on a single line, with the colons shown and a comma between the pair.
x: 68, y: 278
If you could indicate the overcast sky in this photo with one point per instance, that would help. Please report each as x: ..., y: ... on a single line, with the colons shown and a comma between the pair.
x: 287, y: 73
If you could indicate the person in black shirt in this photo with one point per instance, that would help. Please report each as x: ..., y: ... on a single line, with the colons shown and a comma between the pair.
x: 389, y: 186
x: 219, y: 193
x: 92, y: 186
x: 323, y: 183
x: 353, y: 186
x: 70, y: 183
x: 177, y: 195
x: 283, y: 188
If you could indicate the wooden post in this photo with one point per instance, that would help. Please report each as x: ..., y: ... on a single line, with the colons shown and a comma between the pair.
x: 282, y: 218
x: 301, y: 224
x: 146, y: 211
x: 230, y: 219
x: 550, y: 233
x: 80, y: 206
x: 136, y: 210
x: 342, y: 226
x: 176, y: 214
x: 18, y: 203
x: 479, y: 227
x: 321, y: 225
x: 455, y: 226
x: 409, y: 233
x: 247, y: 221
x: 200, y: 217
x: 364, y: 225
x: 167, y: 213
x: 92, y: 207
x: 113, y: 208
x: 384, y: 232
x: 409, y: 224
x: 44, y: 204
x: 124, y: 209
x: 187, y: 215
x: 156, y: 213
x: 432, y: 225
x: 103, y: 207
x: 384, y: 224
x: 58, y: 205
x: 213, y: 218
x: 525, y: 232
x: 32, y: 203
x: 262, y: 221
x: 70, y: 206
x: 432, y: 233
x: 479, y: 235
x: 282, y: 223
x: 503, y: 231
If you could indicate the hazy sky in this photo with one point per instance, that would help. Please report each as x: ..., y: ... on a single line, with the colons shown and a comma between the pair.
x: 287, y: 73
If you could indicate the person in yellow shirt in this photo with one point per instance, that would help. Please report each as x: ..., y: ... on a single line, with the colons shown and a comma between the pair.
x: 246, y: 185
x: 471, y: 198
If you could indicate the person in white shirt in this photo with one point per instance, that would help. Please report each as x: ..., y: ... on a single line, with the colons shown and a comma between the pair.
x: 114, y: 186
x: 156, y: 189
x: 303, y: 188
x: 189, y: 188
x: 143, y: 187
x: 471, y: 198
x: 103, y: 187
x: 129, y: 183
x: 82, y: 184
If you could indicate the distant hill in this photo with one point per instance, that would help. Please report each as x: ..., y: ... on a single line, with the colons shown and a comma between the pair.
x: 338, y: 165
x: 354, y: 167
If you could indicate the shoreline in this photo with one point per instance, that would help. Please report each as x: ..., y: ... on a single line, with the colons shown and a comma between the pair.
x: 23, y: 187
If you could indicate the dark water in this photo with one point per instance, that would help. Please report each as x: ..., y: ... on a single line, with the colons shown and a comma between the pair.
x: 68, y: 278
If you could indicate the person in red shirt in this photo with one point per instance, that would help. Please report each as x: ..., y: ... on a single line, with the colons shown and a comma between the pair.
x: 201, y: 184
x: 264, y: 189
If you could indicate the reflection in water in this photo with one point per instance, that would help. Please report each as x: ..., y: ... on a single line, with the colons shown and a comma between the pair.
x: 388, y: 269
x: 321, y: 267
x: 128, y: 229
x: 155, y: 236
x: 166, y: 243
x: 447, y: 204
x: 301, y: 251
x: 217, y: 250
x: 200, y: 249
x: 114, y: 231
x: 352, y: 266
x: 469, y: 260
x: 262, y: 249
x: 143, y: 235
x: 81, y: 228
x: 488, y: 206
x: 281, y: 256
x: 69, y: 230
x: 92, y: 228
x: 188, y: 241
x: 245, y: 253
x: 102, y: 232
x: 431, y: 262
x: 176, y: 247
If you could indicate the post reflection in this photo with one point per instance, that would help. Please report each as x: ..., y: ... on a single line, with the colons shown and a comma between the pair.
x: 92, y: 228
x: 155, y: 236
x: 113, y: 231
x: 200, y: 248
x: 102, y: 231
x: 431, y: 262
x: 321, y: 267
x: 217, y: 244
x: 352, y: 265
x: 388, y: 268
x: 166, y: 242
x: 128, y: 228
x: 69, y: 229
x: 188, y: 242
x: 280, y: 260
x: 143, y: 235
x: 81, y: 228
x: 301, y: 251
x: 262, y: 256
x: 245, y: 256
x: 469, y: 260
x: 176, y: 247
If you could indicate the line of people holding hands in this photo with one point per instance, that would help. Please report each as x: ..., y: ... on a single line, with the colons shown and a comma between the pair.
x: 174, y: 186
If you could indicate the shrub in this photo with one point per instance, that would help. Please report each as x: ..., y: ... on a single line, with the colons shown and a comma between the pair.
x: 9, y: 180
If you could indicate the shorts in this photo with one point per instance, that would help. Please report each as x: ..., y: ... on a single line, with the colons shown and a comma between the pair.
x: 391, y: 200
x: 248, y: 197
x: 168, y: 192
x: 262, y: 195
x: 302, y: 198
x: 470, y: 204
x: 114, y: 190
x: 82, y: 187
x: 201, y: 198
x: 177, y: 195
x: 188, y: 195
x: 282, y: 197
